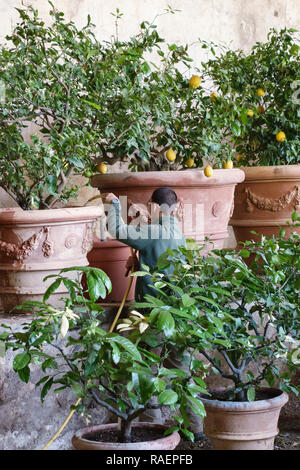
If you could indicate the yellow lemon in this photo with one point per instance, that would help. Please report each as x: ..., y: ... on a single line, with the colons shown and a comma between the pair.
x: 239, y: 156
x: 190, y: 162
x: 280, y: 137
x: 171, y: 155
x: 102, y: 168
x: 208, y: 171
x: 260, y: 91
x: 228, y: 165
x: 213, y: 97
x: 195, y: 81
x: 250, y: 113
x: 260, y: 109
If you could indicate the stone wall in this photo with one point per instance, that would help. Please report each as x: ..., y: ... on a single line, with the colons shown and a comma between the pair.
x: 241, y: 21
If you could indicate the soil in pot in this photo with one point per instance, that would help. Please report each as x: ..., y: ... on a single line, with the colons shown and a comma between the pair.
x: 137, y: 435
x: 226, y: 395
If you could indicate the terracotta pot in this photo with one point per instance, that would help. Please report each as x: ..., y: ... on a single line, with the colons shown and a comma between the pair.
x: 80, y: 442
x: 207, y: 202
x: 34, y: 244
x: 244, y: 425
x: 111, y: 256
x: 265, y: 200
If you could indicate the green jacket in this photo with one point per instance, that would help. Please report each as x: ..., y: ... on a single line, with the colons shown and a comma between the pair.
x: 150, y: 241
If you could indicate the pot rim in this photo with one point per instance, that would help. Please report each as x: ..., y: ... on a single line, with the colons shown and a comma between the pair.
x: 272, y: 172
x: 79, y: 435
x: 16, y: 215
x: 186, y: 178
x: 259, y: 405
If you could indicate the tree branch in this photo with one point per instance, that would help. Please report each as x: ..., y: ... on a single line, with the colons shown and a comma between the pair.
x: 107, y: 406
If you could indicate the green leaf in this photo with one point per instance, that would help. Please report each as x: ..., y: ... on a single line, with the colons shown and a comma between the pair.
x: 198, y: 406
x: 78, y: 390
x: 76, y: 162
x: 166, y: 323
x: 244, y: 253
x: 96, y: 288
x: 21, y: 361
x: 116, y: 355
x: 24, y: 374
x: 52, y: 288
x: 251, y: 394
x: 187, y: 300
x: 167, y: 397
x: 188, y: 434
x: 94, y: 105
x: 127, y: 345
x: 46, y: 389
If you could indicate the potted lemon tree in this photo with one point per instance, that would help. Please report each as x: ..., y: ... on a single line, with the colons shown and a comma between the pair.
x: 173, y: 140
x: 73, y: 350
x: 250, y: 315
x: 259, y: 93
x: 46, y: 137
x: 173, y: 137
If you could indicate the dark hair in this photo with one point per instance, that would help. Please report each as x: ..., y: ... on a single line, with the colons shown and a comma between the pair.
x: 163, y: 196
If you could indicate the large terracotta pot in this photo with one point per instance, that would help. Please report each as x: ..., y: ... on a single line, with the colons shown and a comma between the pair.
x: 265, y: 200
x: 244, y: 425
x: 34, y: 244
x: 111, y: 256
x: 80, y: 441
x: 207, y: 202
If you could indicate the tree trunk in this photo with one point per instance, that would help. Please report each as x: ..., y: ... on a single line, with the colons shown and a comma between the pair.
x: 125, y: 432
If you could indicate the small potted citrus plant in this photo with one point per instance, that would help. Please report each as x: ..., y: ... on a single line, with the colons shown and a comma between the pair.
x: 74, y: 351
x: 245, y: 322
x: 259, y: 101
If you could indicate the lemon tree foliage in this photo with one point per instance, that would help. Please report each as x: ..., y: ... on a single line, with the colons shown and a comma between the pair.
x: 73, y: 349
x: 259, y: 98
x: 90, y: 102
x: 243, y: 319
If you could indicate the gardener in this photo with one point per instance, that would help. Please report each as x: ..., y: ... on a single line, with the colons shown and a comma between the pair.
x: 151, y: 241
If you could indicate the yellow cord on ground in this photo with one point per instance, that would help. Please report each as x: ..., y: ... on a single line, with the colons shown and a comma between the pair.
x: 110, y: 331
x: 62, y: 426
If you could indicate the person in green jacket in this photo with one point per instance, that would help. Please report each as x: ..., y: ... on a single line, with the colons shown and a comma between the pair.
x: 151, y: 240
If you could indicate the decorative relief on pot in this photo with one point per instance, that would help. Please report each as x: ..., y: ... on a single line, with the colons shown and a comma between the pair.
x: 21, y: 252
x: 47, y: 247
x: 71, y: 240
x: 217, y: 209
x: 87, y: 242
x: 273, y: 204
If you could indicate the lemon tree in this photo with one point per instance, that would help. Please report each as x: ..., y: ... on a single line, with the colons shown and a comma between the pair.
x: 94, y: 103
x: 259, y: 98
